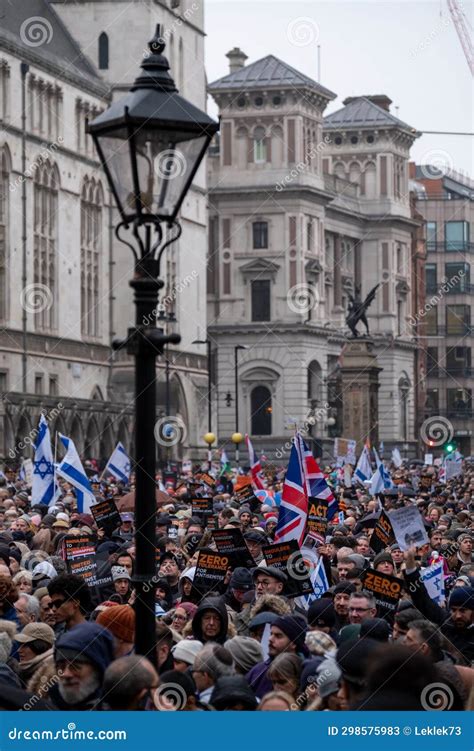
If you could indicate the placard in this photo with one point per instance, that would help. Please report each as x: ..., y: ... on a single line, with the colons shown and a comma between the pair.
x: 202, y: 506
x: 207, y: 479
x: 79, y: 552
x: 106, y: 515
x: 287, y: 557
x: 246, y: 497
x: 382, y: 534
x: 344, y: 449
x: 386, y: 589
x: 211, y: 569
x: 317, y: 523
x: 408, y: 527
x: 232, y: 543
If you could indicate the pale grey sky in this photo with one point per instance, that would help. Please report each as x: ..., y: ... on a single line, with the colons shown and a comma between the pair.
x: 404, y: 49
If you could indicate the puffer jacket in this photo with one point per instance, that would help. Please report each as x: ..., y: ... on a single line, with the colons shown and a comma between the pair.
x: 266, y: 603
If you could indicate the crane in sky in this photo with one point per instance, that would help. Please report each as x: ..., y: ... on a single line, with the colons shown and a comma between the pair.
x: 461, y: 23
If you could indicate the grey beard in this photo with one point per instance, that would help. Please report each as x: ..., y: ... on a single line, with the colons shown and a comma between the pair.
x: 76, y: 695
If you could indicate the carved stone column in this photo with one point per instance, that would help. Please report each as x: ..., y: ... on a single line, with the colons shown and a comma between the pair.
x: 360, y: 384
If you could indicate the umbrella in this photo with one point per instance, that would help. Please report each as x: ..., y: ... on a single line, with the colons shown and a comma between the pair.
x: 127, y: 502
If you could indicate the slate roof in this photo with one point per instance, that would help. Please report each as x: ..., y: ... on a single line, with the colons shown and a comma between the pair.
x: 34, y: 28
x: 361, y: 112
x: 268, y: 72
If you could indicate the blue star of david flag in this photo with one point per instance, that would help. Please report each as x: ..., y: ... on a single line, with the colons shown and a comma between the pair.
x: 43, y: 472
x: 71, y: 469
x: 119, y: 464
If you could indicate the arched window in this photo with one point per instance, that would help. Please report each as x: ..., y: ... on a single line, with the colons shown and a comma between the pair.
x: 4, y: 193
x: 259, y: 146
x: 261, y: 406
x: 370, y: 180
x: 91, y: 243
x: 315, y: 382
x: 44, y: 254
x: 103, y: 51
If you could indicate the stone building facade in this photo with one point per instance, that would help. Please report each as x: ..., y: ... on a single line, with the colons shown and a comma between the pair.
x: 303, y: 209
x: 64, y: 293
x: 446, y: 201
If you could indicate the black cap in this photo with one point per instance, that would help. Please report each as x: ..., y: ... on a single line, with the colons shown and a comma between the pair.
x: 241, y: 579
x: 375, y: 628
x: 272, y: 571
x: 352, y: 657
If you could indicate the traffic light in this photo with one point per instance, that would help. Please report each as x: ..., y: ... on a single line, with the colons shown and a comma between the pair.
x: 449, y: 448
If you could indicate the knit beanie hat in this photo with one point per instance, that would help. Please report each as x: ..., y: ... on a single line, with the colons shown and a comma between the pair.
x: 462, y: 597
x: 119, y: 620
x: 186, y: 650
x: 383, y: 557
x: 294, y: 627
x: 246, y: 652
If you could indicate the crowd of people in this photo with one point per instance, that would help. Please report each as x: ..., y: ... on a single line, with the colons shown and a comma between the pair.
x: 247, y: 644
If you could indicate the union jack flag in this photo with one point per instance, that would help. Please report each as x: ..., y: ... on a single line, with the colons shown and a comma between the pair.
x: 303, y: 479
x: 317, y: 486
x: 255, y: 466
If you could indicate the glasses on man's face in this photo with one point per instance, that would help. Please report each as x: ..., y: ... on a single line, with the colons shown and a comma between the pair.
x: 358, y: 610
x: 56, y: 604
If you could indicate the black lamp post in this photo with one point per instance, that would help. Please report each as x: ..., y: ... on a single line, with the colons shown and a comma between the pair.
x: 237, y: 437
x: 150, y: 143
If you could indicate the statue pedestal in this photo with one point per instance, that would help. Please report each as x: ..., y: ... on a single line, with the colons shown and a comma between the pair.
x: 360, y: 384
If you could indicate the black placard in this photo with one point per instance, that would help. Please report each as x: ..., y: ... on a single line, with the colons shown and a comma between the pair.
x: 317, y: 523
x: 106, y: 515
x: 287, y: 557
x: 386, y: 589
x: 211, y: 569
x: 246, y: 497
x: 231, y: 542
x: 79, y: 554
x: 207, y: 479
x: 202, y: 506
x: 382, y: 534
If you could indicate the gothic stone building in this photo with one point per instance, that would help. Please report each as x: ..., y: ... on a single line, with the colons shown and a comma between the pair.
x: 302, y: 209
x: 64, y: 291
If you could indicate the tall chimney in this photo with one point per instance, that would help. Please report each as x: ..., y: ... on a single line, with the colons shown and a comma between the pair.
x: 237, y: 59
x: 381, y: 100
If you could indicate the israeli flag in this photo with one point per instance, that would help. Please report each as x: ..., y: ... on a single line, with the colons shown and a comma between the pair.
x: 119, y: 464
x: 363, y: 470
x: 71, y: 469
x: 381, y: 479
x: 318, y: 578
x: 433, y: 579
x: 397, y: 458
x: 43, y: 472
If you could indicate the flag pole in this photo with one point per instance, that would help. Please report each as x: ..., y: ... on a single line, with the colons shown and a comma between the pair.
x: 55, y: 486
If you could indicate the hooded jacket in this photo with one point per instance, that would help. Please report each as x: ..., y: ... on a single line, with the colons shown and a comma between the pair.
x: 266, y: 603
x: 93, y: 642
x: 212, y: 603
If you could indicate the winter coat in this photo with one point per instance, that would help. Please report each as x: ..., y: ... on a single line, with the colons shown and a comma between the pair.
x: 460, y: 640
x: 41, y: 677
x: 272, y: 603
x: 211, y: 603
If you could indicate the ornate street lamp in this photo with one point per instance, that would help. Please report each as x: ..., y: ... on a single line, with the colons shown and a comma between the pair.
x: 150, y: 143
